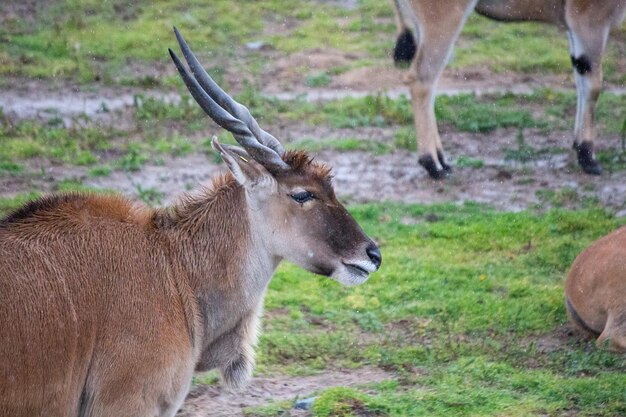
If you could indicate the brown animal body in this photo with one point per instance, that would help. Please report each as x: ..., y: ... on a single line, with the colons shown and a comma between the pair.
x: 427, y: 31
x: 107, y: 307
x: 595, y: 290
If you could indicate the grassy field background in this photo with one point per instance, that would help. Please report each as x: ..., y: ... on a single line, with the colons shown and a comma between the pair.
x: 93, y: 41
x: 467, y: 311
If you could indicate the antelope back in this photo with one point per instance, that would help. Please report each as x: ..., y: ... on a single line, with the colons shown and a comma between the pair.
x: 83, y: 284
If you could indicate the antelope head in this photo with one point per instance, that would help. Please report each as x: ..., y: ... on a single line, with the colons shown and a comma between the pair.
x: 290, y: 197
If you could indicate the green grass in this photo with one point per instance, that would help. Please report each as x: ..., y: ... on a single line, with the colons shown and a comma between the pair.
x: 134, y: 158
x: 461, y: 310
x: 342, y: 145
x: 544, y: 109
x: 519, y: 47
x: 100, y: 171
x: 8, y: 204
x: 523, y: 152
x: 278, y: 408
x: 10, y: 167
x: 82, y: 40
x: 480, y: 388
x: 151, y: 196
x: 467, y: 312
x: 160, y: 127
x: 94, y: 41
x: 151, y: 110
x: 527, y: 48
x: 565, y: 197
x: 91, y: 41
x: 29, y: 139
x: 464, y: 161
x: 321, y: 79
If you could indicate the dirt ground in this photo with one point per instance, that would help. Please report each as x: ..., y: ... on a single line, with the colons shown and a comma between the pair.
x: 359, y: 176
x: 213, y: 400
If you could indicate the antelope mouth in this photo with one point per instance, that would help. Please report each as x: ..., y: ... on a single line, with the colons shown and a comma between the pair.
x: 352, y: 273
x: 356, y: 269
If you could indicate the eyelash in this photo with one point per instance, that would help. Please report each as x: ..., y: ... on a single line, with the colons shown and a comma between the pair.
x: 302, y: 197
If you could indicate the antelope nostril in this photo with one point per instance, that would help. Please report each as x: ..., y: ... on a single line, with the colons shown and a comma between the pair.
x: 374, y: 253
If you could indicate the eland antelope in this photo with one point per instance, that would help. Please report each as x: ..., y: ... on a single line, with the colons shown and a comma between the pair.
x: 107, y: 307
x: 428, y: 28
x: 595, y: 290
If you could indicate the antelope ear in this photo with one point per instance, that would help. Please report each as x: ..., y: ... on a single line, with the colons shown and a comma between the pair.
x: 246, y: 170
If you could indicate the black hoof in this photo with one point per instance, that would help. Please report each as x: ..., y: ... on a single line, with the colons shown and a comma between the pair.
x: 405, y: 49
x: 429, y: 165
x: 584, y: 151
x: 447, y: 168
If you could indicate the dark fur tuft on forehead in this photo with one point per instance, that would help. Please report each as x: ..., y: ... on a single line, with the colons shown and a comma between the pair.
x: 302, y: 163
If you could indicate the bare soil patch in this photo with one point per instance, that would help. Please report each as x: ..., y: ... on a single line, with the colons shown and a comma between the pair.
x: 24, y: 10
x: 36, y: 100
x: 214, y: 401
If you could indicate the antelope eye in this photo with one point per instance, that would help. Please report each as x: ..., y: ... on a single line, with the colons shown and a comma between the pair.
x: 302, y: 197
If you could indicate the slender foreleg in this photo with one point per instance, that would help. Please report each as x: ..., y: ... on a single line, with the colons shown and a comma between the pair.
x: 588, y: 26
x: 434, y: 26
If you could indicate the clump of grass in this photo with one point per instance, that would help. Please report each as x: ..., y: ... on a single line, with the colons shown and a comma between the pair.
x: 523, y: 153
x: 623, y: 135
x: 321, y: 79
x: 464, y: 161
x: 134, y: 159
x: 278, y: 408
x: 100, y: 171
x: 346, y: 402
x: 376, y: 110
x: 7, y: 204
x: 615, y: 160
x: 174, y: 145
x: 28, y: 139
x: 565, y: 197
x: 150, y: 195
x: 404, y: 138
x: 153, y: 111
x: 11, y: 167
x: 343, y: 144
x: 468, y: 113
x: 69, y: 185
x: 206, y: 378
